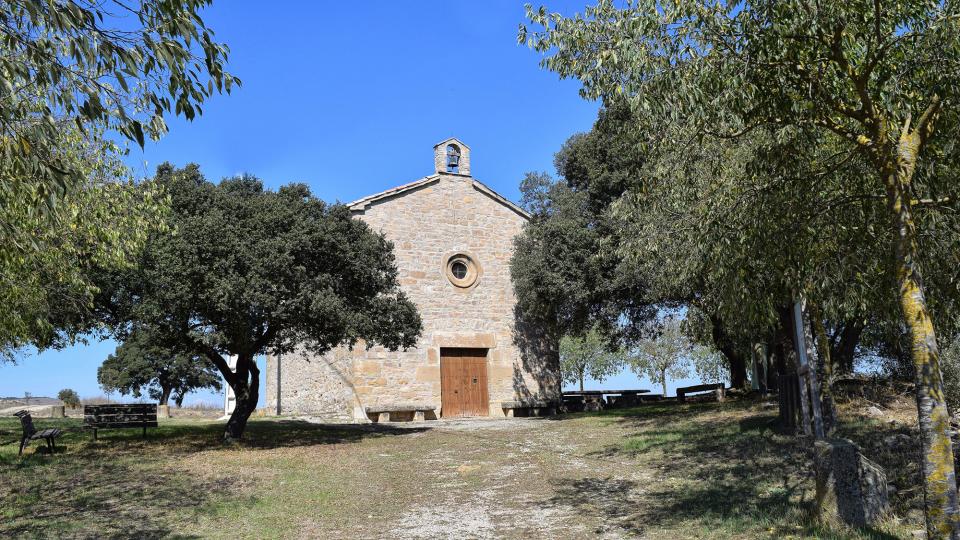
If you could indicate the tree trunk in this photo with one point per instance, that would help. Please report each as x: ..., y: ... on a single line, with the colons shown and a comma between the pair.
x: 581, y: 382
x: 824, y: 368
x: 165, y: 394
x: 246, y: 387
x: 738, y: 369
x: 845, y: 349
x: 735, y: 359
x: 939, y: 476
x: 774, y: 360
x: 663, y: 381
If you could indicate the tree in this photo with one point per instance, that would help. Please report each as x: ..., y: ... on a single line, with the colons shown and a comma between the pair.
x: 252, y: 272
x: 882, y: 80
x: 664, y: 355
x: 48, y: 258
x: 588, y: 356
x: 139, y: 362
x: 708, y: 364
x: 563, y: 280
x: 114, y: 65
x: 72, y: 74
x: 69, y: 398
x: 575, y: 257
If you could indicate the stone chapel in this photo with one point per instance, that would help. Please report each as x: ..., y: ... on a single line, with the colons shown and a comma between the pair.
x: 453, y: 240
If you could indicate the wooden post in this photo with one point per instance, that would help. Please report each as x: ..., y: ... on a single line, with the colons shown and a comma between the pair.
x: 808, y: 375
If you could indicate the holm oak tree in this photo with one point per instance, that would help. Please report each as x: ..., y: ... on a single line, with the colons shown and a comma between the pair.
x: 247, y: 271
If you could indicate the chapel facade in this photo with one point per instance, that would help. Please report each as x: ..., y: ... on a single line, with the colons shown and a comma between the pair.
x: 453, y: 241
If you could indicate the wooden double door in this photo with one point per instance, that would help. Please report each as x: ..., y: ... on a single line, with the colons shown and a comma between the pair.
x: 463, y: 382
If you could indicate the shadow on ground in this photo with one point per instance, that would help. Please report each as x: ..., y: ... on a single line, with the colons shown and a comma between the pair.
x: 723, y: 473
x: 110, y: 498
x: 127, y: 486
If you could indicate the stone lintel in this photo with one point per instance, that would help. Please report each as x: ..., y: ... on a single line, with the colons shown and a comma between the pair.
x: 480, y: 341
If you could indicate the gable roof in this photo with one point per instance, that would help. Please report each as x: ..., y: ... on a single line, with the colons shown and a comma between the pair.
x: 362, y: 204
x: 449, y: 140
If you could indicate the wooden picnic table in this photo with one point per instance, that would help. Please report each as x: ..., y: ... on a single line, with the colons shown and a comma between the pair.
x: 604, y: 392
x: 594, y: 399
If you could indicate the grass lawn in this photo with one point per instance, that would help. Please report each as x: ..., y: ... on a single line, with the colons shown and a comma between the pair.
x: 671, y: 471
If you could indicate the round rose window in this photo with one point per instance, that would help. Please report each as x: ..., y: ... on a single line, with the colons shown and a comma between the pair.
x: 462, y: 270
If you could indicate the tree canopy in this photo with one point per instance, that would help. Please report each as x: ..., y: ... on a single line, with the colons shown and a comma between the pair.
x: 72, y: 75
x: 664, y: 355
x: 48, y: 259
x: 250, y: 271
x: 590, y: 356
x: 114, y: 66
x: 848, y: 84
x: 141, y: 365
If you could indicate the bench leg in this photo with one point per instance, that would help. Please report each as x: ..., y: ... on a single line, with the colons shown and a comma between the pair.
x: 383, y: 417
x: 509, y: 413
x: 418, y: 416
x: 144, y: 432
x: 23, y: 444
x: 94, y: 433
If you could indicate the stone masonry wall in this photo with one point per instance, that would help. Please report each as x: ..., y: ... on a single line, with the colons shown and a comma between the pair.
x: 427, y: 225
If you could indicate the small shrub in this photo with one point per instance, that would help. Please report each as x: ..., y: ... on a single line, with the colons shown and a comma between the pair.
x: 69, y: 398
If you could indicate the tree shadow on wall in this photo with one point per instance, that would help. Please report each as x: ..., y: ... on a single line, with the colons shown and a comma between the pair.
x: 539, y: 356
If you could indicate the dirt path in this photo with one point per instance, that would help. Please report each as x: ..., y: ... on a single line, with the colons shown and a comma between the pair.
x: 664, y: 471
x: 510, y: 478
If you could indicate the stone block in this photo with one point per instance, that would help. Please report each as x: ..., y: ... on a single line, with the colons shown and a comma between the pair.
x: 428, y: 374
x: 858, y: 484
x: 368, y: 368
x: 57, y: 411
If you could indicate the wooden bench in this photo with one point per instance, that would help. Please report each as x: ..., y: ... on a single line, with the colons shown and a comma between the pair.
x: 30, y: 433
x: 133, y: 415
x: 719, y: 389
x: 574, y: 403
x: 528, y: 407
x: 384, y: 413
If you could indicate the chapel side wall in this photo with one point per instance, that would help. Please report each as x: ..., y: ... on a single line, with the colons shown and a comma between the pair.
x: 449, y: 216
x: 318, y: 385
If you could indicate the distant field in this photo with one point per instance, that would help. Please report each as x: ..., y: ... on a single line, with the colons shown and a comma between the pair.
x: 666, y: 471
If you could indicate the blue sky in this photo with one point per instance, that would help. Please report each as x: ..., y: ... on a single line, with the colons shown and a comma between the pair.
x: 350, y: 98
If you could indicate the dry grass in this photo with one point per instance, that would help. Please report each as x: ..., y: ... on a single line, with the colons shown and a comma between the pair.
x: 667, y: 471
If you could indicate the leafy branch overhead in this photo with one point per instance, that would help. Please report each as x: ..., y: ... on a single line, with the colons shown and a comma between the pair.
x: 114, y: 65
